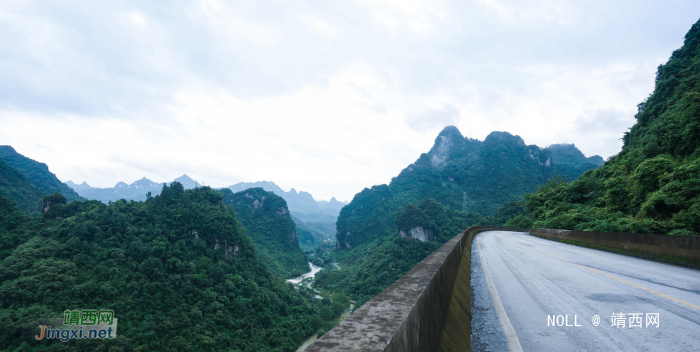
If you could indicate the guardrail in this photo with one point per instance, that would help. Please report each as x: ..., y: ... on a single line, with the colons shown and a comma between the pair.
x: 428, y: 309
x: 684, y: 250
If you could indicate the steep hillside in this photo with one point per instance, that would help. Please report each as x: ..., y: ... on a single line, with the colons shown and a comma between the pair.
x: 266, y: 218
x: 10, y: 219
x: 387, y: 229
x: 301, y: 204
x: 37, y: 173
x: 498, y: 170
x: 569, y: 160
x: 652, y: 185
x: 178, y: 270
x: 16, y: 188
x: 312, y: 234
x: 422, y: 228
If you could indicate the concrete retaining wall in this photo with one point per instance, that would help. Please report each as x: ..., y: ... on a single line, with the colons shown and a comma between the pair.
x: 411, y: 314
x: 684, y: 249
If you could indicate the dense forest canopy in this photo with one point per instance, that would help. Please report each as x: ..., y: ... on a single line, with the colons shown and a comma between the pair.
x: 387, y: 229
x: 266, y: 219
x: 178, y: 270
x: 498, y: 170
x: 652, y: 185
x: 312, y: 234
x: 424, y: 227
x: 19, y: 190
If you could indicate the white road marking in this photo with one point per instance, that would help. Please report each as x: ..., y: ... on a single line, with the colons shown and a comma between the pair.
x: 511, y: 337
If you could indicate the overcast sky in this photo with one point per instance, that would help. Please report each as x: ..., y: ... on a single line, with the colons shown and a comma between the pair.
x: 328, y: 97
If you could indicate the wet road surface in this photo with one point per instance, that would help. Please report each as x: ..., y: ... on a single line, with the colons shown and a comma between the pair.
x: 550, y: 293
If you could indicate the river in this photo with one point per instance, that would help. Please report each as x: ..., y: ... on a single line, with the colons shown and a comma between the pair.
x: 310, y: 274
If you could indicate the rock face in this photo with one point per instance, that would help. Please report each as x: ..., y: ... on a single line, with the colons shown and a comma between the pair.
x: 418, y: 233
x: 266, y: 219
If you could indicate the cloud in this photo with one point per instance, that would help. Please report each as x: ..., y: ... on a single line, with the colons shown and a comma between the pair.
x: 534, y: 11
x: 322, y: 27
x: 226, y: 21
x: 414, y: 16
x: 434, y: 118
x: 324, y: 97
x: 602, y: 129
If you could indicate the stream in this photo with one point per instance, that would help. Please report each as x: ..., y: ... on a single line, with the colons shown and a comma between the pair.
x: 311, y: 274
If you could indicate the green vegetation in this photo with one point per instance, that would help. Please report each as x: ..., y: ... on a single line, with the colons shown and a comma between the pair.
x: 312, y: 234
x: 494, y: 174
x: 333, y: 305
x: 570, y: 161
x: 504, y: 213
x: 380, y: 263
x: 37, y: 173
x: 301, y: 204
x: 178, y: 270
x: 11, y: 218
x: 18, y: 190
x: 24, y: 181
x: 652, y: 185
x: 266, y: 219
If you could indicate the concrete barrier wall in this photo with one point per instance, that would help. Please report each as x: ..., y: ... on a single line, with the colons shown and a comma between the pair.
x: 411, y: 314
x: 682, y: 249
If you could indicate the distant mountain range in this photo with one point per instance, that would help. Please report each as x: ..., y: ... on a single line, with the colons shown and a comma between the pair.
x: 301, y: 204
x: 135, y: 191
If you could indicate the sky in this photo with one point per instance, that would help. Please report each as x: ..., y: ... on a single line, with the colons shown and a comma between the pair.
x: 327, y: 97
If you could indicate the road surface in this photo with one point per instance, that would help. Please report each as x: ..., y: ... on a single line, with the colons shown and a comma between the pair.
x: 550, y: 292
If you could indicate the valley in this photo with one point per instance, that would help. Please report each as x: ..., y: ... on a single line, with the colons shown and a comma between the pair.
x: 307, y: 280
x: 330, y: 256
x: 254, y: 267
x: 229, y: 176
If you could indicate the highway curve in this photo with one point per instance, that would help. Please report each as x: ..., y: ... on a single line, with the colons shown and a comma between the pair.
x: 549, y: 293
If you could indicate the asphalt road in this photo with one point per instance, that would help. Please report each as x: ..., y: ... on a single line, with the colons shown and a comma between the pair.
x: 549, y: 293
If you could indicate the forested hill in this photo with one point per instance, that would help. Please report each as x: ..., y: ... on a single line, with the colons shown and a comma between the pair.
x: 178, y: 270
x: 312, y: 234
x: 570, y: 160
x: 388, y: 229
x: 653, y: 184
x: 498, y: 170
x: 266, y: 219
x: 37, y: 173
x: 421, y: 229
x: 301, y: 204
x: 17, y: 189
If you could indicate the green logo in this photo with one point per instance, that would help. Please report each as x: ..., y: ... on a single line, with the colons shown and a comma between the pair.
x: 105, y: 316
x: 88, y: 317
x: 71, y: 317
